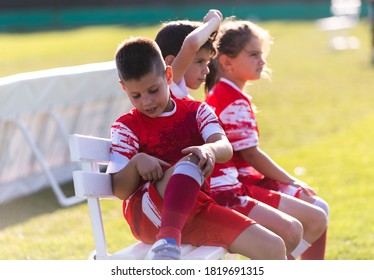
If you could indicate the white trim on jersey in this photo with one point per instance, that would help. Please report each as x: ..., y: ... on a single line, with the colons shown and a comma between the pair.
x: 205, y: 114
x: 179, y: 90
x: 229, y: 178
x: 120, y: 135
x: 237, y: 114
x: 235, y: 87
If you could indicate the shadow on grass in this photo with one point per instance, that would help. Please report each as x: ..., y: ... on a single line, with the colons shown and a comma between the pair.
x: 22, y: 209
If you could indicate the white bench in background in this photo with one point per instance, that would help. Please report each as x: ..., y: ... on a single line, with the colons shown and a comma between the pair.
x: 345, y: 16
x: 38, y: 112
x: 91, y: 183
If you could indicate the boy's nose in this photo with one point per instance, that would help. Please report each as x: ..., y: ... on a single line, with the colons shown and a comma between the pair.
x: 147, y: 100
x: 206, y: 70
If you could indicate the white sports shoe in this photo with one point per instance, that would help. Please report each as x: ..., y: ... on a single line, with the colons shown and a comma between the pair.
x: 162, y: 250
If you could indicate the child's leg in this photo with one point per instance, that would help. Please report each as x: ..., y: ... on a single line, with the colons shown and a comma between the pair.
x: 259, y: 243
x: 287, y: 227
x: 180, y: 196
x: 215, y: 225
x: 318, y: 248
x: 313, y: 219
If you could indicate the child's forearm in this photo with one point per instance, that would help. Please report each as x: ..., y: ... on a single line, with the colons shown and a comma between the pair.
x: 266, y: 166
x: 200, y: 35
x: 221, y: 148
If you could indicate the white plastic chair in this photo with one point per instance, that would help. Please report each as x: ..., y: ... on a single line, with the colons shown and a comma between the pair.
x: 94, y: 185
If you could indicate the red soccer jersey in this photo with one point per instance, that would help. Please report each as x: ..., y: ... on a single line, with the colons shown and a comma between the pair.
x: 189, y: 124
x: 234, y: 110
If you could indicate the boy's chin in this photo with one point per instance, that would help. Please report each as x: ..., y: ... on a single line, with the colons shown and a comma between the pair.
x: 196, y: 86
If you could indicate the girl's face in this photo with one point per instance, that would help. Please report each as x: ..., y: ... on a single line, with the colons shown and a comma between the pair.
x: 150, y: 94
x: 249, y: 63
x: 198, y: 69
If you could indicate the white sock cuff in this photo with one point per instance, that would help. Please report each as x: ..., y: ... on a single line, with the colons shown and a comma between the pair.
x: 300, y: 249
x: 189, y: 169
x: 319, y: 202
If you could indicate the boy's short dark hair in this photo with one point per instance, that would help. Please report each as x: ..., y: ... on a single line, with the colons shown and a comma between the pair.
x: 138, y: 57
x: 171, y: 36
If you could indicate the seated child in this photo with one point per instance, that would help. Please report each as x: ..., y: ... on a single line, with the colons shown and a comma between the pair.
x: 242, y: 49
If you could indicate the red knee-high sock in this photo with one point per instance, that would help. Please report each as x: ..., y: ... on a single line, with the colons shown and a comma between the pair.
x: 179, y: 199
x: 317, y: 250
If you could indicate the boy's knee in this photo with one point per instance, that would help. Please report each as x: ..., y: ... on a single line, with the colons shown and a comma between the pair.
x: 191, y: 158
x: 190, y: 169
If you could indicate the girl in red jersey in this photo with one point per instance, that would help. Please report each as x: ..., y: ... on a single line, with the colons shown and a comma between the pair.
x: 242, y: 48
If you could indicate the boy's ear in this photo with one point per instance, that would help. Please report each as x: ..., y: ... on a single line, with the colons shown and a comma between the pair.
x: 122, y: 85
x: 169, y: 74
x: 169, y: 59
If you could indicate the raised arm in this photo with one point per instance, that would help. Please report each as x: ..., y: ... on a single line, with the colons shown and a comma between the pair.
x: 193, y: 42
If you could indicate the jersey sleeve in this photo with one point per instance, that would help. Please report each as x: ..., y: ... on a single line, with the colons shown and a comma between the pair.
x: 240, y: 125
x: 125, y: 145
x: 208, y: 121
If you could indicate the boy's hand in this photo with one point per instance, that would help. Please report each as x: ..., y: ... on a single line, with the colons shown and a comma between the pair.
x: 206, y: 156
x: 213, y: 14
x: 149, y: 167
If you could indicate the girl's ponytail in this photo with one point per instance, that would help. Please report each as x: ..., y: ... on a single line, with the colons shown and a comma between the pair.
x: 213, y: 76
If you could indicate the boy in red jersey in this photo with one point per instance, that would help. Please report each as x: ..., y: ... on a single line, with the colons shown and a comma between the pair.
x: 162, y: 151
x: 188, y: 46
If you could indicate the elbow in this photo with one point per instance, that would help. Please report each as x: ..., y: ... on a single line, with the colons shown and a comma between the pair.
x: 229, y: 153
x: 119, y: 194
x: 250, y: 154
x: 192, y: 43
x: 226, y: 154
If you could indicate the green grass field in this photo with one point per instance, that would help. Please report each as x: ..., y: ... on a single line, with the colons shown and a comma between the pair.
x: 315, y: 113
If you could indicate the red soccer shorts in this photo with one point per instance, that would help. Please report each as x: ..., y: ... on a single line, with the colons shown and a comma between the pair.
x: 235, y: 199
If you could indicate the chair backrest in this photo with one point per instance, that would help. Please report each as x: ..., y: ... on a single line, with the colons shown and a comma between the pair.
x: 91, y: 183
x: 93, y: 154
